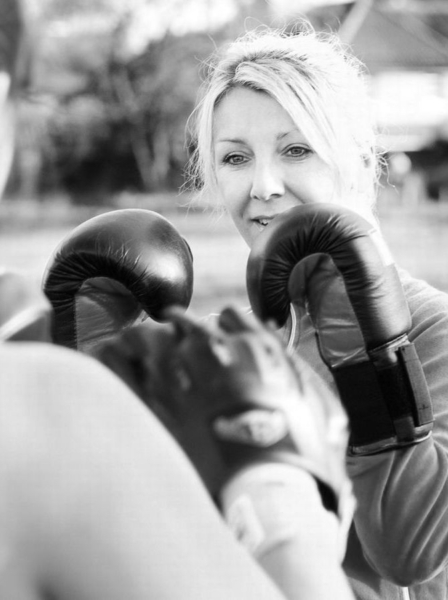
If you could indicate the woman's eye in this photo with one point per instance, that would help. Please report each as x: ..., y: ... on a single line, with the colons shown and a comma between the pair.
x: 234, y: 159
x: 298, y: 151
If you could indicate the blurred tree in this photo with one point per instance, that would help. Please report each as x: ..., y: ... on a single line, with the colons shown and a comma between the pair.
x: 33, y: 147
x: 117, y: 111
x: 157, y: 92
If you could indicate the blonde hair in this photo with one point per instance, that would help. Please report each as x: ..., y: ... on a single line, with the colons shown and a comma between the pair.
x: 316, y: 81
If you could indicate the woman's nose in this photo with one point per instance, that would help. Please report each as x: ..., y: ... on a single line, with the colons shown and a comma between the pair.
x: 267, y: 184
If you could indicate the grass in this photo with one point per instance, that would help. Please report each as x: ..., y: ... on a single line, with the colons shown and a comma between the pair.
x: 29, y: 232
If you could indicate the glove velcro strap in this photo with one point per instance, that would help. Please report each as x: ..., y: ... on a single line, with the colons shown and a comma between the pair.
x: 387, y: 400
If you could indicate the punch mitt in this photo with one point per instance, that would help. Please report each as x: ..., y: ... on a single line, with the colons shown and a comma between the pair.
x: 334, y: 263
x: 25, y: 312
x: 114, y: 271
x: 232, y: 397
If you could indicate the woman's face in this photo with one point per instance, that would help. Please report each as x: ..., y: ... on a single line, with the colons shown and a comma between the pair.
x: 263, y: 163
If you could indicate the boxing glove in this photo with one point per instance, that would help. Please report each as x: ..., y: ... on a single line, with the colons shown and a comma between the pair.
x: 334, y: 263
x: 232, y: 397
x: 25, y: 312
x: 113, y: 271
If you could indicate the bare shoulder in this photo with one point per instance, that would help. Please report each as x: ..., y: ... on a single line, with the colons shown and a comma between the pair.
x: 46, y: 369
x: 66, y: 419
x: 79, y: 450
x: 58, y: 392
x: 55, y: 403
x: 52, y: 398
x: 66, y: 416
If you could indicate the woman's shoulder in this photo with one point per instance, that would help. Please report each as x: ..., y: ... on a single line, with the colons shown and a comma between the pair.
x: 428, y: 305
x: 420, y: 294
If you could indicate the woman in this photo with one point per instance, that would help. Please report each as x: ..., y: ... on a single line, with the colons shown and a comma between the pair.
x: 284, y: 121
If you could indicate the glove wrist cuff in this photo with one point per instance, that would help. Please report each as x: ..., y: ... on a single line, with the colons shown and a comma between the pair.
x: 387, y: 400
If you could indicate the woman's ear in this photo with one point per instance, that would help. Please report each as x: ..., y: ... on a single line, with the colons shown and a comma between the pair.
x: 363, y: 198
x: 366, y: 175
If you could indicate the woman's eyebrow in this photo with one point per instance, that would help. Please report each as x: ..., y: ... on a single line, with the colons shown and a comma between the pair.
x: 282, y: 135
x: 230, y: 140
x: 279, y: 136
x: 238, y: 140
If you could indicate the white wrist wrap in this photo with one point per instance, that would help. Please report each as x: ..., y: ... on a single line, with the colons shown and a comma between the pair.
x: 259, y: 505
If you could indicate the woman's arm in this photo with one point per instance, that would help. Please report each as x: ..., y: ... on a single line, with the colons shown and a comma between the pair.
x: 402, y: 495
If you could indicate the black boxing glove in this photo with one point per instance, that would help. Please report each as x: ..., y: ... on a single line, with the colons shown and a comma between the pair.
x: 113, y: 271
x: 233, y: 398
x: 25, y: 312
x: 336, y: 263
